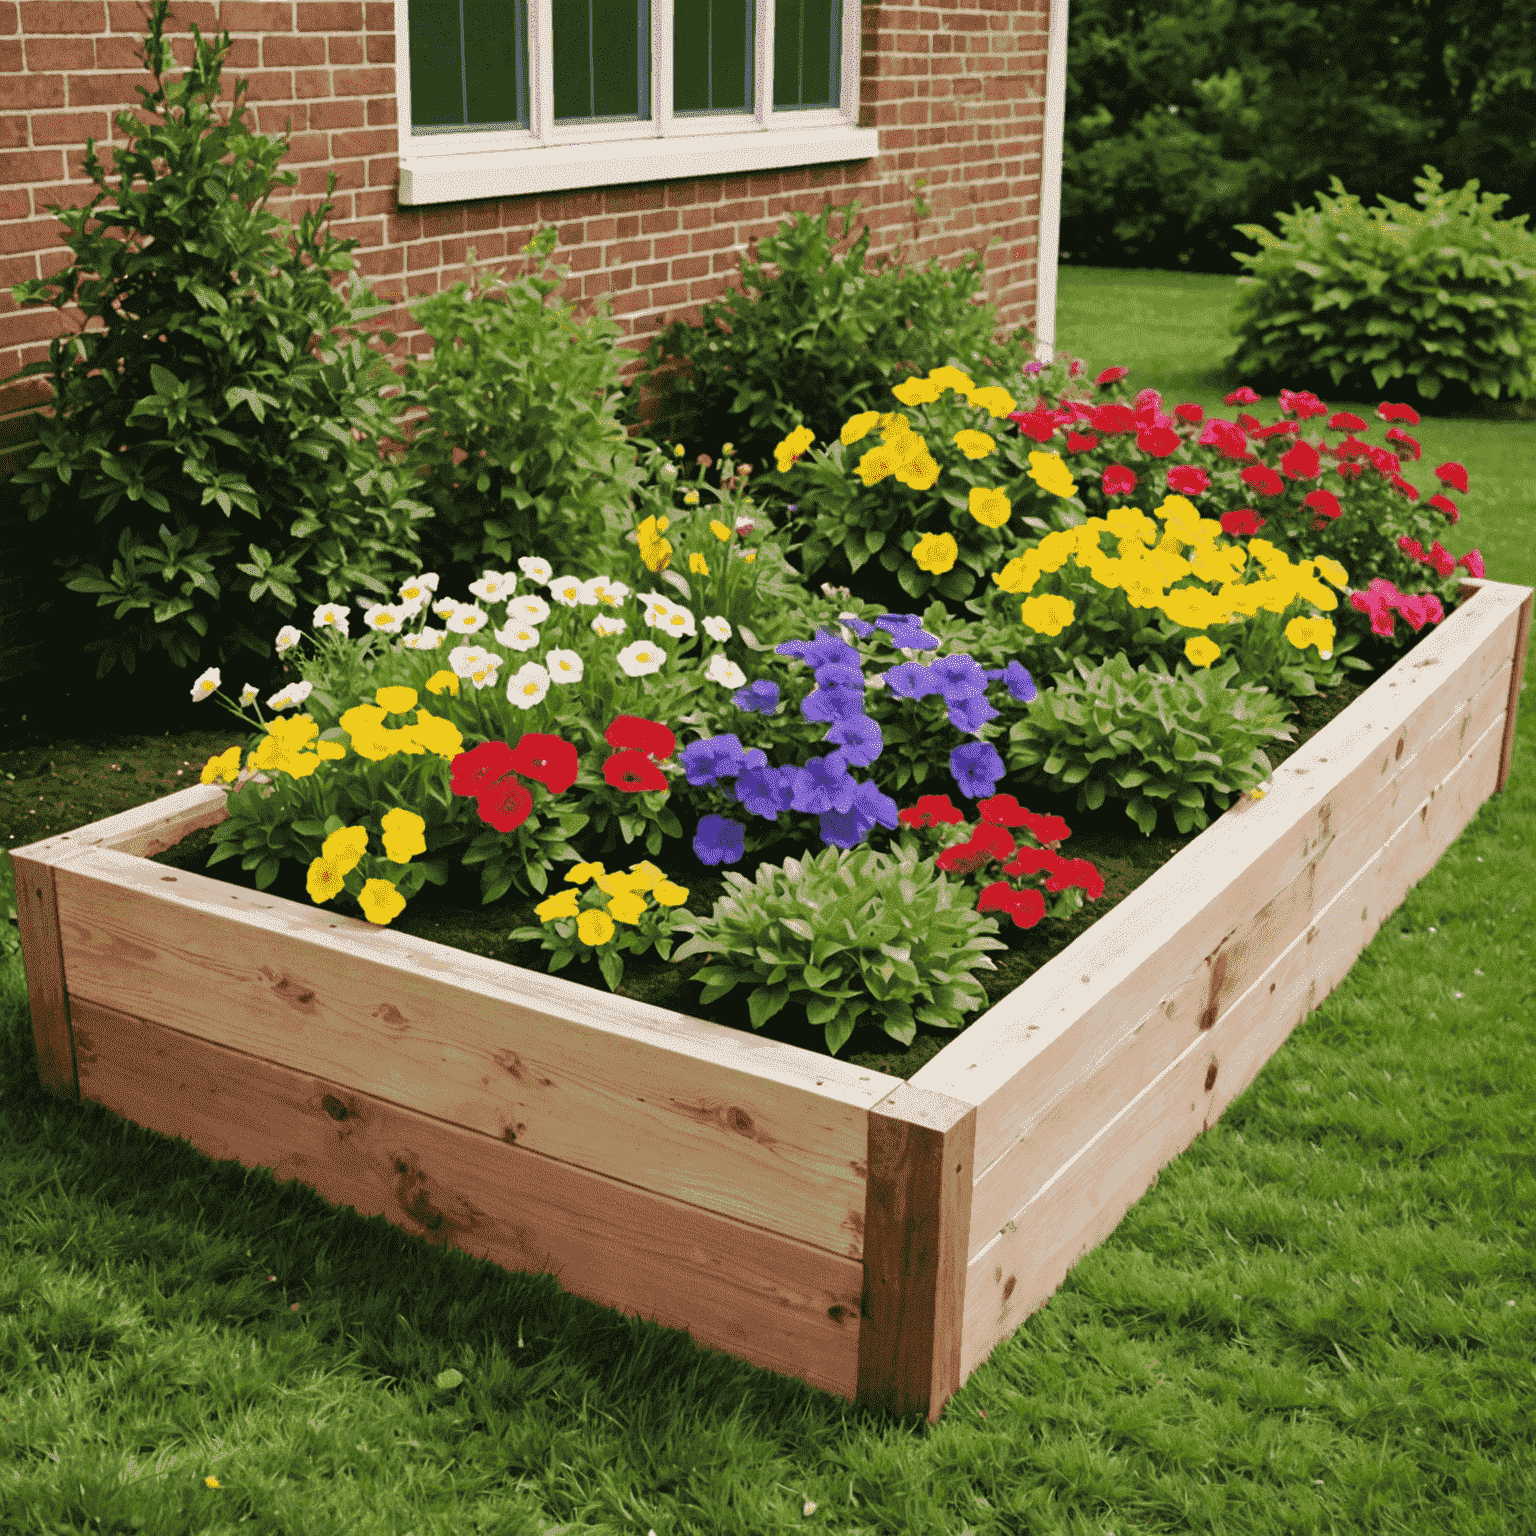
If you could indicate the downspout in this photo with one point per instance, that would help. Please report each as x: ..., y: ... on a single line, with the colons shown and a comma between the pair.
x: 1049, y: 243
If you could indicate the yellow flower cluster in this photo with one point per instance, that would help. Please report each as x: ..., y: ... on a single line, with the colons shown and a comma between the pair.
x: 1145, y: 566
x: 364, y: 724
x: 626, y: 893
x: 343, y: 850
x: 792, y: 447
x: 654, y: 550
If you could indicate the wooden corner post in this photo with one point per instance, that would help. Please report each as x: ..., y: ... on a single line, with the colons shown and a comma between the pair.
x: 1516, y: 674
x: 37, y: 915
x: 917, y: 1222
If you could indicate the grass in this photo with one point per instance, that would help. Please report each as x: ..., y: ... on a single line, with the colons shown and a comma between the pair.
x: 1322, y: 1318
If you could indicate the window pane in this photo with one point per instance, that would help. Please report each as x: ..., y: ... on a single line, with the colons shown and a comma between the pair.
x: 807, y: 48
x: 712, y: 55
x: 602, y: 59
x: 481, y: 83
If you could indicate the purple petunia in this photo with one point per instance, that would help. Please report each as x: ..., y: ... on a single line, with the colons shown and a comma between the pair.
x: 823, y: 785
x: 765, y: 791
x: 1018, y: 682
x: 958, y: 675
x: 912, y: 680
x: 829, y: 704
x: 858, y: 626
x: 715, y: 757
x: 719, y: 841
x: 762, y: 698
x: 824, y: 649
x: 969, y: 712
x: 858, y: 738
x: 976, y: 768
x: 847, y: 829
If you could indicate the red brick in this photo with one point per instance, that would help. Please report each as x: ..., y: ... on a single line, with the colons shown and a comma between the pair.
x: 335, y: 114
x: 374, y: 202
x: 69, y: 127
x: 325, y: 16
x: 62, y: 53
x: 381, y: 50
x: 380, y: 263
x: 80, y: 17
x: 383, y: 112
x: 306, y: 148
x: 419, y: 285
x: 104, y: 90
x: 11, y: 58
x: 376, y: 141
x: 15, y: 203
x: 30, y: 165
x: 344, y: 50
x: 292, y: 52
x: 252, y: 16
x: 10, y: 19
x: 311, y: 82
x: 365, y: 82
x: 14, y: 132
x: 429, y: 253
x: 662, y: 222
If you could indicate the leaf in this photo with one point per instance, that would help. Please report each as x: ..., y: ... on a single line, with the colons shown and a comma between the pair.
x: 447, y: 1380
x: 764, y: 1003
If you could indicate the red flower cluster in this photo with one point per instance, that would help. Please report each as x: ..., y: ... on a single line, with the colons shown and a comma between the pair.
x: 1381, y: 598
x: 1234, y: 523
x: 1441, y: 558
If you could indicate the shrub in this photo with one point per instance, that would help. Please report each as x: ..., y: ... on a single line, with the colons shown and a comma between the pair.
x: 1444, y: 295
x: 850, y: 931
x: 214, y: 382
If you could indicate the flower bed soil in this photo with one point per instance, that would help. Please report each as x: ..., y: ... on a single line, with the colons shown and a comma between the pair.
x: 453, y: 914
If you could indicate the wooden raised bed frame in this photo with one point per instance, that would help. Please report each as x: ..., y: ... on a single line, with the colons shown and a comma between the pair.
x: 874, y: 1237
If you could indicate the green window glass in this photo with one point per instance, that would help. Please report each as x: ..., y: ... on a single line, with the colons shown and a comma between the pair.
x: 807, y: 46
x: 602, y: 60
x: 712, y: 48
x: 469, y: 64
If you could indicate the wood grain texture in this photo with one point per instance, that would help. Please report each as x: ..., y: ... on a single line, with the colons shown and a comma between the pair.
x: 144, y: 830
x: 776, y: 1303
x: 916, y: 1222
x: 37, y: 919
x: 719, y: 1118
x: 1516, y: 677
x: 1084, y: 1199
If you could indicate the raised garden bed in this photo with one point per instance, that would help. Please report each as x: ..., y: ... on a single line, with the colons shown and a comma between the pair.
x: 871, y: 1236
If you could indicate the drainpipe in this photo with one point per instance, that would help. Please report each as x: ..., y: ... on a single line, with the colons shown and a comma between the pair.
x: 1049, y: 243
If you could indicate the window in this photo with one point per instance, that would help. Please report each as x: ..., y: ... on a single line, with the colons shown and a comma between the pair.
x: 502, y: 97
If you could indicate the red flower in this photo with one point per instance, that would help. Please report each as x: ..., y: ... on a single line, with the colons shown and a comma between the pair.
x: 1410, y: 491
x: 1247, y: 422
x: 1047, y: 829
x: 1118, y: 480
x: 1241, y: 522
x: 1453, y: 475
x: 1188, y: 479
x: 1001, y: 811
x: 1324, y: 503
x: 632, y: 772
x: 1193, y: 414
x: 1346, y: 421
x: 1349, y: 471
x: 1081, y: 442
x: 1300, y: 462
x: 1421, y: 610
x: 986, y: 843
x: 1243, y: 396
x: 548, y: 759
x: 1397, y: 435
x: 1398, y: 413
x: 1110, y: 375
x: 1440, y: 558
x: 1263, y: 479
x: 1114, y: 417
x: 1025, y: 907
x: 505, y: 805
x: 1412, y: 548
x: 1473, y: 562
x: 649, y: 737
x: 472, y: 771
x: 1277, y: 429
x: 1226, y: 436
x: 1148, y: 397
x: 1353, y: 448
x: 1039, y: 423
x: 1303, y: 402
x: 1387, y: 463
x: 1079, y: 872
x: 1158, y: 441
x: 1030, y: 861
x: 929, y: 811
x: 1378, y: 601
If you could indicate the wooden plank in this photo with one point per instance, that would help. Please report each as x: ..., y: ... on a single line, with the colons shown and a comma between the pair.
x: 38, y: 922
x: 758, y: 1296
x: 142, y: 830
x: 1084, y: 1200
x: 916, y: 1222
x: 719, y: 1117
x: 1072, y: 1108
x: 1516, y: 679
x: 1118, y: 969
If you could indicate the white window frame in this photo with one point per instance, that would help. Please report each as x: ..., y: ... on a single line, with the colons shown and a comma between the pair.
x: 454, y: 167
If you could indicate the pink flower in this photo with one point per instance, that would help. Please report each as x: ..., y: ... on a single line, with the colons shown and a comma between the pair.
x: 1263, y: 479
x: 1226, y: 436
x: 1148, y: 397
x: 1241, y: 522
x: 1081, y: 442
x: 1453, y: 475
x: 1158, y: 441
x: 1397, y: 435
x: 1349, y: 471
x: 1324, y: 503
x: 1110, y: 375
x: 1398, y: 413
x: 1378, y: 600
x: 1300, y: 462
x: 1243, y: 396
x: 1473, y: 562
x: 1420, y: 610
x: 1303, y: 402
x: 1114, y: 417
x: 1351, y: 448
x: 1193, y: 414
x: 1118, y: 480
x: 1441, y: 559
x: 1446, y: 505
x: 1346, y: 421
x: 1188, y: 479
x: 1412, y: 548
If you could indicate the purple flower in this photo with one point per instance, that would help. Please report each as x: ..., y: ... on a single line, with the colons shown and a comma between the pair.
x: 858, y: 626
x: 819, y: 652
x: 761, y: 698
x: 834, y: 674
x: 899, y: 621
x: 828, y: 704
x: 847, y: 829
x: 906, y: 632
x: 719, y: 841
x: 823, y: 785
x: 859, y: 738
x: 1018, y: 682
x: 912, y: 680
x: 765, y: 791
x: 976, y: 768
x: 968, y: 712
x: 715, y: 757
x: 958, y: 676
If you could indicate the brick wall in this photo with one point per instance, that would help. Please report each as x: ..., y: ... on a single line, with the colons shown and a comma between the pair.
x: 956, y: 88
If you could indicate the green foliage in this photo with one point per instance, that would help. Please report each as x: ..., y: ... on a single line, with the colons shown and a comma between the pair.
x: 818, y: 342
x: 521, y: 446
x: 1146, y: 736
x: 227, y: 373
x: 1444, y: 295
x: 851, y: 930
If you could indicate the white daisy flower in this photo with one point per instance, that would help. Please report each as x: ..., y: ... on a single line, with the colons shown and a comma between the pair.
x: 485, y: 676
x: 419, y: 587
x: 291, y: 696
x: 464, y: 659
x: 718, y: 628
x: 411, y: 606
x: 494, y: 587
x: 604, y: 590
x: 206, y: 686
x: 467, y: 620
x: 641, y: 658
x: 331, y: 616
x: 529, y: 686
x: 383, y: 619
x: 517, y: 637
x: 605, y: 624
x: 287, y: 638
x: 676, y: 621
x: 527, y: 610
x: 564, y: 666
x: 445, y: 606
x: 721, y: 670
x: 655, y: 599
x: 537, y: 571
x: 427, y: 639
x: 247, y: 695
x: 568, y: 591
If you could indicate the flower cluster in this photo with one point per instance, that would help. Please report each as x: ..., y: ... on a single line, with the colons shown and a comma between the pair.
x: 1381, y: 599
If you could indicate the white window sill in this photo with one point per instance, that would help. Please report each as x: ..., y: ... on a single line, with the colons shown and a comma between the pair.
x: 453, y: 178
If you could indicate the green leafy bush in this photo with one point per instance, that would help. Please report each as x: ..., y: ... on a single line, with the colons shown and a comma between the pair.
x: 521, y: 447
x: 1444, y: 295
x: 228, y: 374
x: 850, y: 930
x: 1148, y: 736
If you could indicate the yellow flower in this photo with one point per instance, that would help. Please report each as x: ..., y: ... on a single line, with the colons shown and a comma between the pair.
x: 1331, y: 571
x: 403, y: 835
x: 678, y: 451
x: 995, y: 400
x: 1218, y: 564
x: 1050, y: 474
x: 1193, y: 607
x: 396, y: 701
x: 719, y: 530
x: 918, y: 470
x: 345, y: 848
x: 698, y: 565
x: 324, y: 880
x: 616, y: 884
x: 1128, y: 523
x: 579, y: 874
x: 330, y: 751
x: 876, y: 464
x: 950, y: 378
x: 211, y: 1482
x: 644, y: 875
x: 656, y: 555
x: 750, y: 556
x: 1179, y: 508
x: 894, y: 425
x: 857, y: 427
x: 381, y: 902
x: 1055, y: 549
x: 727, y: 450
x: 435, y: 735
x: 444, y: 681
x: 974, y: 445
x: 917, y: 391
x: 691, y: 499
x: 225, y: 768
x: 594, y: 926
x: 561, y: 904
x: 1201, y: 651
x: 668, y: 894
x: 936, y: 553
x: 628, y: 908
x: 792, y: 447
x: 1302, y: 632
x: 362, y: 720
x: 1169, y: 566
x: 990, y: 508
x: 1047, y: 615
x: 1141, y: 586
x: 1020, y: 574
